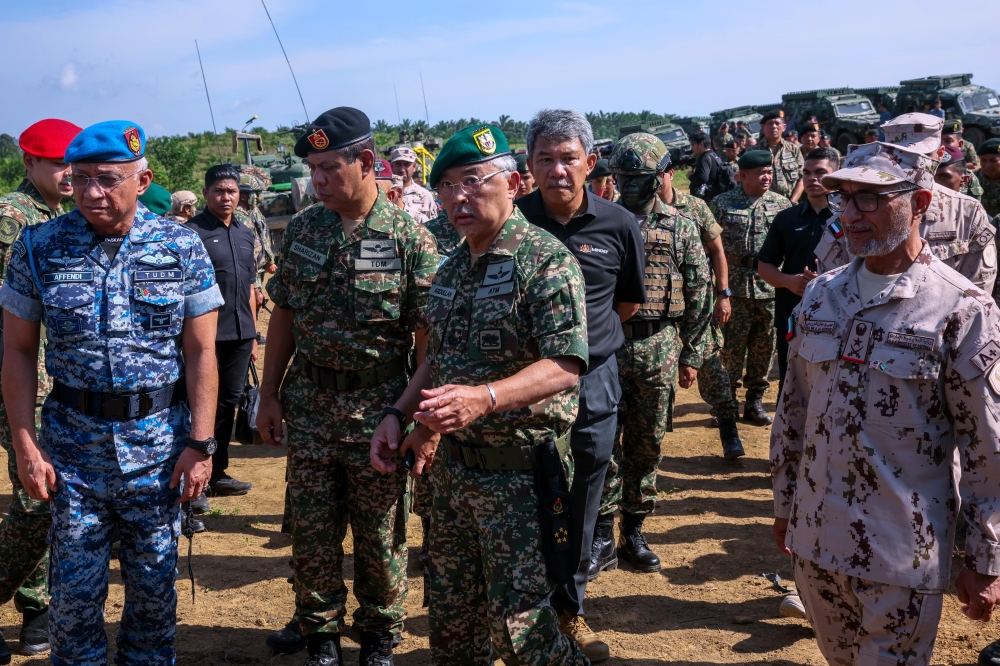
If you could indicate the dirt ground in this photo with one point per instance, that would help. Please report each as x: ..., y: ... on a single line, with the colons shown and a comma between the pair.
x: 708, y: 605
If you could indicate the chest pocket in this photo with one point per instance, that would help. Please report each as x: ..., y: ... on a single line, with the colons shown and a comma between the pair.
x: 902, y: 388
x: 493, y: 329
x: 945, y: 250
x: 302, y: 279
x: 158, y: 309
x: 71, y: 311
x: 790, y: 167
x: 376, y: 295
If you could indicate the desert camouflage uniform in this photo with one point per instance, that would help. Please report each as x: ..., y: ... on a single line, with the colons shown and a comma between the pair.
x: 356, y: 302
x: 24, y: 554
x: 749, y: 333
x: 956, y: 228
x: 678, y: 294
x: 991, y: 193
x: 520, y: 302
x: 788, y: 165
x: 888, y: 422
x: 448, y: 238
x: 713, y: 380
x: 419, y: 202
x: 112, y: 327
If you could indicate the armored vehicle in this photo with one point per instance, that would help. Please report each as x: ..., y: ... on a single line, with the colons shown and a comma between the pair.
x: 879, y: 96
x: 745, y: 114
x: 672, y: 136
x: 977, y: 106
x: 843, y: 113
x: 693, y: 124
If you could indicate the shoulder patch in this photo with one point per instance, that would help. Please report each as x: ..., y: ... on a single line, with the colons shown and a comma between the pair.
x: 9, y: 229
x: 19, y: 249
x: 994, y: 378
x: 986, y: 356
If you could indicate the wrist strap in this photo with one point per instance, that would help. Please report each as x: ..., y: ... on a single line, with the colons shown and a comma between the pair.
x: 395, y: 412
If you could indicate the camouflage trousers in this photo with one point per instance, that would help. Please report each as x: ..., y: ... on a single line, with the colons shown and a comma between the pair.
x: 488, y: 581
x: 749, y: 337
x: 647, y: 371
x: 24, y: 550
x: 332, y: 484
x: 859, y: 621
x: 713, y: 380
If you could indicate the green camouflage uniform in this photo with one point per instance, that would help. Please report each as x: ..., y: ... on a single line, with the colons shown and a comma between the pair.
x: 356, y: 303
x: 974, y: 189
x: 254, y: 221
x: 520, y: 302
x: 713, y: 380
x: 678, y: 293
x: 719, y: 142
x: 445, y: 233
x: 788, y: 165
x: 969, y: 151
x: 24, y: 555
x: 990, y: 198
x: 749, y: 333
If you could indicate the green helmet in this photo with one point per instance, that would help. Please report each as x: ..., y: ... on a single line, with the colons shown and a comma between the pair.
x: 639, y: 153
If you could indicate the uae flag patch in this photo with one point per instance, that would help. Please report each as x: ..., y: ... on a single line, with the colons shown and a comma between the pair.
x: 836, y: 229
x: 791, y: 328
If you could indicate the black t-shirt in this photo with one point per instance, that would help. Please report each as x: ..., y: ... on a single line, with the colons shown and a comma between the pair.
x: 231, y: 251
x: 790, y: 245
x: 606, y: 240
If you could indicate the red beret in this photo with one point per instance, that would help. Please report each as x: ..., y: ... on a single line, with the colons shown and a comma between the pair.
x: 48, y: 138
x: 383, y: 169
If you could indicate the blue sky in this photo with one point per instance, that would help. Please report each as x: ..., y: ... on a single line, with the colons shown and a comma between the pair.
x: 135, y: 59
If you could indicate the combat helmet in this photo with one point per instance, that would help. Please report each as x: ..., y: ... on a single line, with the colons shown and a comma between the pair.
x: 639, y: 153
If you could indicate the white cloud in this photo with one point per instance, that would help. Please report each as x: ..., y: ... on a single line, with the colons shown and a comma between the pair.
x: 68, y: 79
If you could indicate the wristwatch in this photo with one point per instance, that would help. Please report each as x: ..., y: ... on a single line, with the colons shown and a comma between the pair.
x: 724, y: 293
x: 203, y: 446
x: 394, y: 412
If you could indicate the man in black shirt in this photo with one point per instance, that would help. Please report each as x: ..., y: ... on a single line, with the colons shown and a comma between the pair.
x: 230, y: 246
x: 705, y: 180
x: 790, y: 242
x: 605, y: 238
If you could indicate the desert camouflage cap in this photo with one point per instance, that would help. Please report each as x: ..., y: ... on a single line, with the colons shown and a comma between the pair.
x: 916, y: 131
x: 880, y: 163
x: 639, y: 153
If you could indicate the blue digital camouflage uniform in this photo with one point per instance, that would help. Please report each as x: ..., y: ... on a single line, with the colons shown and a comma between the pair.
x: 115, y: 327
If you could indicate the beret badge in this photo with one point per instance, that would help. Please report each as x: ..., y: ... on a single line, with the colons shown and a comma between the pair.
x: 484, y: 141
x: 132, y: 140
x: 318, y: 140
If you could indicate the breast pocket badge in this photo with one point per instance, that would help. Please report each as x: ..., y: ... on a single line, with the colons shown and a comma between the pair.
x: 856, y: 350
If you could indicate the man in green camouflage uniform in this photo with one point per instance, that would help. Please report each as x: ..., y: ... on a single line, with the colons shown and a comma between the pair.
x: 24, y: 556
x: 249, y: 215
x: 989, y: 176
x: 951, y: 136
x: 445, y: 233
x: 664, y: 344
x: 787, y: 160
x: 350, y: 293
x: 508, y: 341
x: 745, y: 215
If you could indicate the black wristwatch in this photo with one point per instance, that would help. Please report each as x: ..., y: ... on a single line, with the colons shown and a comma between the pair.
x: 724, y: 293
x: 394, y: 412
x: 203, y: 446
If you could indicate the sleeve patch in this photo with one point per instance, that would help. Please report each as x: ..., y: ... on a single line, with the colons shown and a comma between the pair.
x: 9, y: 228
x: 986, y: 357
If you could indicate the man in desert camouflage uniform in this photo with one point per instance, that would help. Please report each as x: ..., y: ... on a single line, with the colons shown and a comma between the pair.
x: 508, y: 341
x: 891, y: 399
x: 787, y: 160
x: 989, y: 176
x: 24, y: 558
x: 417, y: 200
x: 664, y: 345
x: 349, y: 294
x: 745, y: 215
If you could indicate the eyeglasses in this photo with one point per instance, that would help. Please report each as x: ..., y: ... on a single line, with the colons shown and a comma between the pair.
x: 866, y: 202
x: 106, y: 181
x: 471, y: 184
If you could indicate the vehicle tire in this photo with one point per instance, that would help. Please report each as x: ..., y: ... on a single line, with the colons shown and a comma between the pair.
x: 975, y: 136
x: 844, y: 140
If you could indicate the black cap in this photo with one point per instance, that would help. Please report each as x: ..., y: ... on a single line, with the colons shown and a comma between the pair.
x: 600, y: 170
x: 810, y: 127
x: 772, y: 114
x: 334, y: 129
x: 990, y: 147
x: 790, y: 133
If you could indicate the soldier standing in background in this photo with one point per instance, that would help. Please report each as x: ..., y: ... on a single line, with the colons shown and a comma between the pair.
x: 664, y: 346
x: 350, y: 297
x: 183, y: 206
x: 786, y: 157
x: 809, y: 137
x: 527, y: 185
x: 24, y: 556
x: 745, y: 215
x: 989, y: 176
x: 445, y: 233
x: 417, y: 201
x: 951, y: 136
x: 251, y: 187
x: 721, y: 138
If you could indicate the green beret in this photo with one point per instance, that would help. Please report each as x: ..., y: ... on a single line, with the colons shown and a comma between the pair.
x: 952, y: 126
x: 742, y: 134
x: 156, y: 199
x: 474, y: 144
x: 755, y: 158
x: 991, y: 147
x: 522, y: 162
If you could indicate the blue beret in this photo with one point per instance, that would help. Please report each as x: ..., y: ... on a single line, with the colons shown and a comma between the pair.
x: 110, y: 141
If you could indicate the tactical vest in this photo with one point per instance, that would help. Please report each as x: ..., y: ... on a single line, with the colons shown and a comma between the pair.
x: 664, y: 282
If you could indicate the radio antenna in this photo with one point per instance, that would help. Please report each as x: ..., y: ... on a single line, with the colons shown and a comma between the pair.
x: 215, y: 140
x: 287, y: 61
x: 427, y: 114
x: 396, y: 95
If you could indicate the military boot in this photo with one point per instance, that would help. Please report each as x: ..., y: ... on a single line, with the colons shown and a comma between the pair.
x: 35, y: 632
x: 633, y: 547
x: 754, y: 411
x: 602, y: 554
x: 376, y: 649
x: 5, y: 653
x: 732, y: 445
x: 288, y: 640
x: 324, y: 650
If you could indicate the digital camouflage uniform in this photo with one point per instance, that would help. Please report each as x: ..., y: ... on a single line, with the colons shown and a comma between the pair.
x: 24, y: 558
x: 973, y: 189
x: 445, y: 233
x: 719, y: 142
x: 112, y: 327
x: 749, y: 333
x: 788, y: 165
x: 255, y: 221
x: 713, y: 380
x: 356, y: 302
x: 889, y: 422
x: 522, y: 301
x: 969, y: 151
x: 419, y: 202
x: 678, y: 288
x: 990, y: 198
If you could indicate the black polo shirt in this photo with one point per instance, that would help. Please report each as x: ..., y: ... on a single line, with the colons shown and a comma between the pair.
x: 231, y: 251
x: 790, y: 245
x: 606, y: 240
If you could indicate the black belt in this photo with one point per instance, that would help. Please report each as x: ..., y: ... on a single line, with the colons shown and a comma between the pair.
x: 640, y: 330
x: 497, y: 458
x: 120, y: 406
x: 741, y: 260
x: 334, y: 380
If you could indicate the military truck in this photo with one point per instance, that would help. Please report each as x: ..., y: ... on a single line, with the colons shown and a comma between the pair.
x: 692, y: 124
x: 880, y: 95
x: 842, y: 112
x: 977, y: 106
x: 673, y: 137
x: 746, y: 114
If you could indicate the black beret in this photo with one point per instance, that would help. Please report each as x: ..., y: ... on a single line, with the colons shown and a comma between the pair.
x: 991, y: 147
x: 824, y: 136
x: 810, y: 127
x: 952, y: 126
x: 601, y: 169
x: 334, y: 129
x: 755, y: 158
x: 772, y: 114
x: 790, y: 133
x: 731, y: 144
x: 742, y: 134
